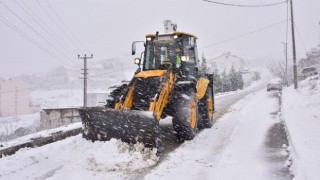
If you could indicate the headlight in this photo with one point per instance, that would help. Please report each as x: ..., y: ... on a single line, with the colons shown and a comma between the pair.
x: 184, y: 58
x: 175, y: 36
x: 148, y: 38
x: 137, y: 61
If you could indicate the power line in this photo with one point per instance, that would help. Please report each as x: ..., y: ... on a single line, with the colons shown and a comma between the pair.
x: 295, y: 25
x: 30, y: 9
x: 242, y: 5
x: 25, y: 36
x: 70, y: 32
x: 66, y: 27
x: 243, y: 35
x: 55, y: 22
x: 41, y: 24
x: 35, y: 31
x: 69, y: 35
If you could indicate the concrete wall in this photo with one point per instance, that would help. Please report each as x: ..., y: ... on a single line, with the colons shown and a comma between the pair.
x: 52, y: 118
x: 14, y: 98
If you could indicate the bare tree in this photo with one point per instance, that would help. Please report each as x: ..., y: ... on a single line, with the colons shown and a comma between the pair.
x: 9, y: 126
x: 312, y: 59
x: 278, y: 68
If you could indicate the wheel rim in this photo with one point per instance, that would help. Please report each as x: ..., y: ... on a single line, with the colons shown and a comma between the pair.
x: 210, y: 108
x: 193, y: 113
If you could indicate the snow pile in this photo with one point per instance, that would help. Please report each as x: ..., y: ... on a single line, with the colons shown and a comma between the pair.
x: 301, y: 112
x: 78, y: 158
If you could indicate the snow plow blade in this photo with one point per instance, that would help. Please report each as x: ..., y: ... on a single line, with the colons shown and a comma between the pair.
x: 128, y: 125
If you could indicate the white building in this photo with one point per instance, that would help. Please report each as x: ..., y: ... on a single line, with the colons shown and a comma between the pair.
x: 14, y: 98
x: 226, y: 61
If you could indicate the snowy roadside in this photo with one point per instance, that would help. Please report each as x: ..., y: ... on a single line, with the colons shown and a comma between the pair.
x: 301, y: 112
x: 235, y: 148
x: 41, y: 134
x: 78, y: 158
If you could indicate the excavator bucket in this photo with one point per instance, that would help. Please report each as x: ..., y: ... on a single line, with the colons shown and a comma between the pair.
x: 130, y: 126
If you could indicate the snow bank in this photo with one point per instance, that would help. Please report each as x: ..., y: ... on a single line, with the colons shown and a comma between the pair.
x: 78, y: 158
x: 301, y: 112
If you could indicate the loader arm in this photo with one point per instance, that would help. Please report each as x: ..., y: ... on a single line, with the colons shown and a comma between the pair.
x: 162, y: 97
x: 125, y: 101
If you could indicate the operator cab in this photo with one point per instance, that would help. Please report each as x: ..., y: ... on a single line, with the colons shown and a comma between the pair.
x: 176, y: 50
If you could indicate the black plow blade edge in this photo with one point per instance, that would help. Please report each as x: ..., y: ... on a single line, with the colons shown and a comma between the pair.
x: 128, y: 125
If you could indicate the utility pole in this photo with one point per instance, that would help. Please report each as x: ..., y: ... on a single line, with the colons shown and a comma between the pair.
x: 319, y: 37
x: 286, y: 58
x: 85, y: 73
x: 16, y: 100
x: 0, y: 101
x: 295, y: 76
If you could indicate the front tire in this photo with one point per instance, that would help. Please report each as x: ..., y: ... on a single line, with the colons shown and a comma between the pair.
x: 186, y: 116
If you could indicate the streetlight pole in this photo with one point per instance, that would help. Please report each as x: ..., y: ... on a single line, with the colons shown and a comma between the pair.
x: 295, y: 76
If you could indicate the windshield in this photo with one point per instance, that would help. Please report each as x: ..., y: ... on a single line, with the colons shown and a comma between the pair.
x: 161, y: 53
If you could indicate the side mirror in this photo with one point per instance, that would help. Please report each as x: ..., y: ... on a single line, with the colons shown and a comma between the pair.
x: 133, y: 49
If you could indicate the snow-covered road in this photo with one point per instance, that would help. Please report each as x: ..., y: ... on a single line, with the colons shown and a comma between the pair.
x: 236, y: 143
x: 236, y: 148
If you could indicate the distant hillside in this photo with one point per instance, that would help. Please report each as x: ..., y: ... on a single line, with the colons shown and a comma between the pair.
x: 102, y: 74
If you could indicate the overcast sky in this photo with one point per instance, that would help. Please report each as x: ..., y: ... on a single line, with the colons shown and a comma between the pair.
x: 59, y: 30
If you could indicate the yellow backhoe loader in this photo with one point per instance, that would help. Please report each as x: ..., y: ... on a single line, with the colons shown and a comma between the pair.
x: 168, y: 82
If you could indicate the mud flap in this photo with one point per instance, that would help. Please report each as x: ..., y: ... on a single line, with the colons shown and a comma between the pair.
x: 128, y: 125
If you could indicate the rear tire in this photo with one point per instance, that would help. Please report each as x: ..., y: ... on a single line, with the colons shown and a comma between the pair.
x: 206, y: 108
x: 115, y: 96
x: 186, y: 116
